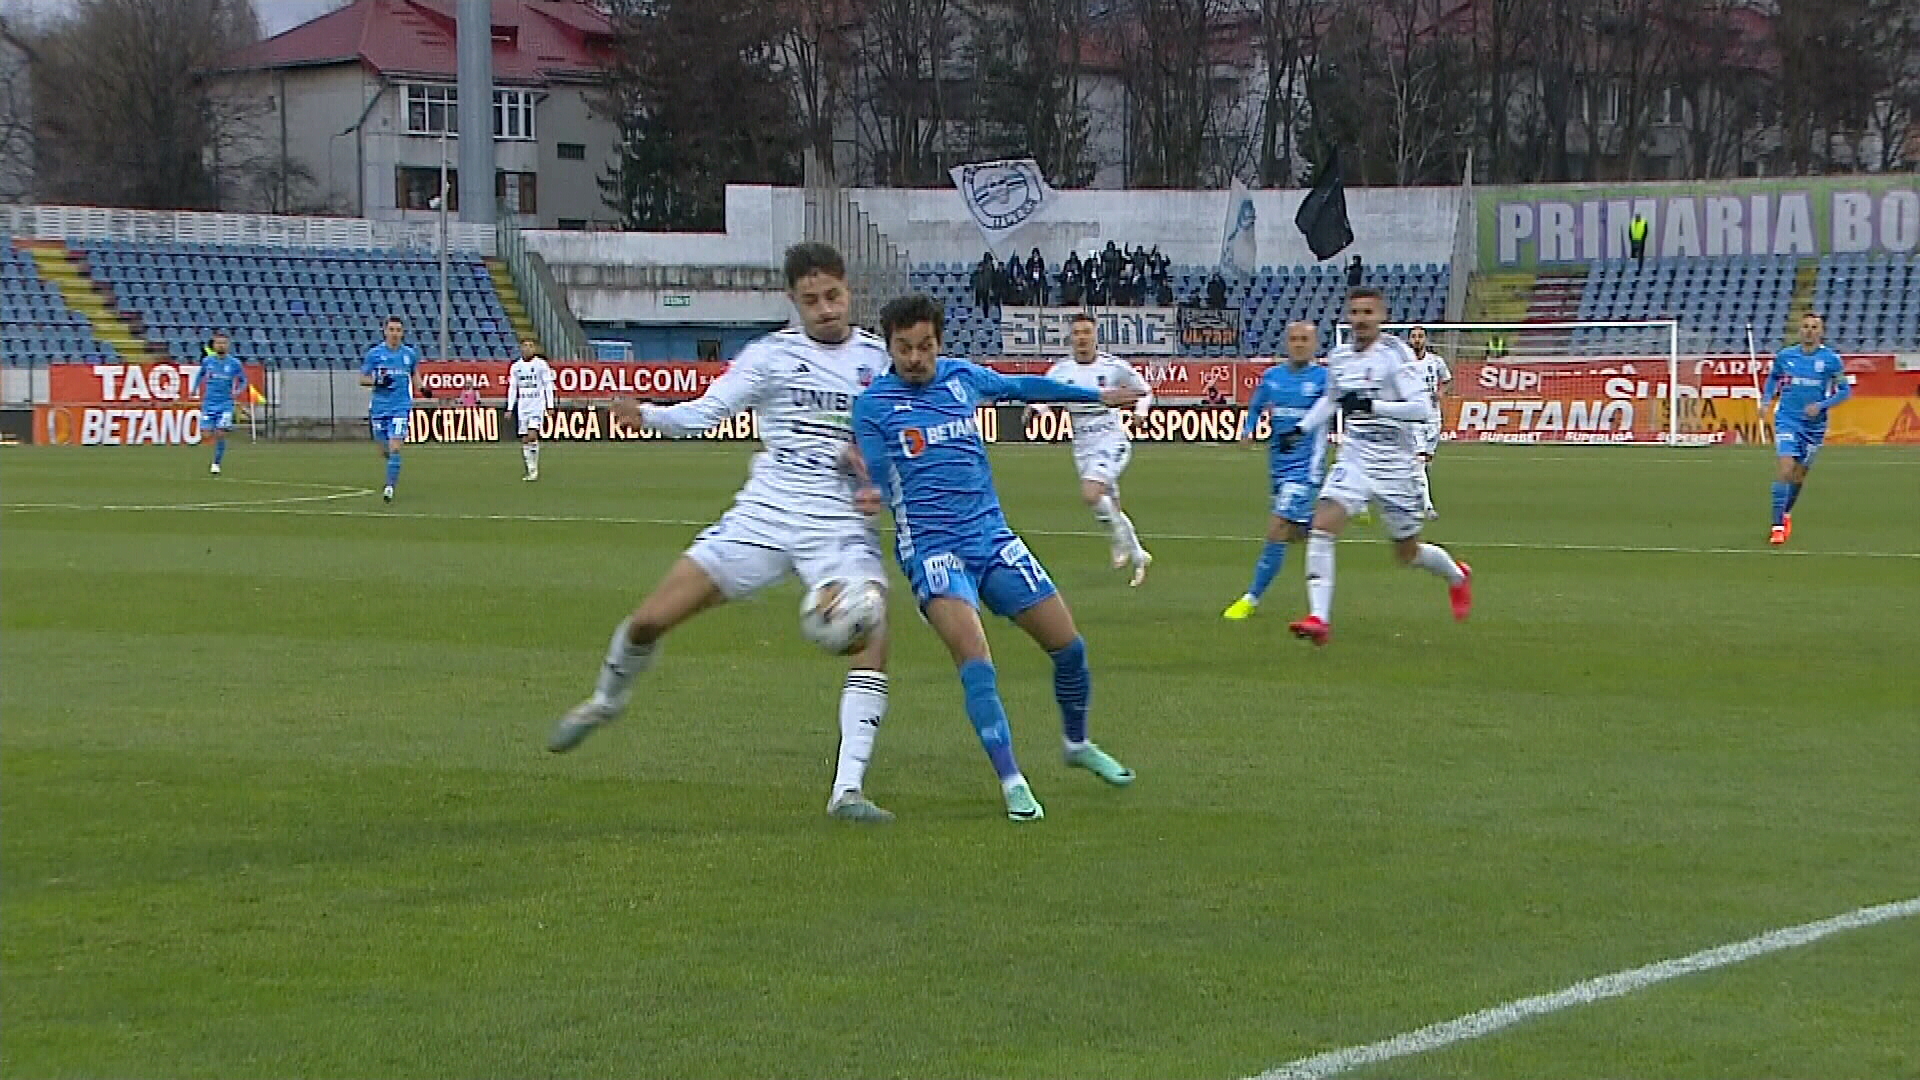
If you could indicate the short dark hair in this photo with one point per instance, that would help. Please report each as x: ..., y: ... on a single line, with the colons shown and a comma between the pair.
x: 912, y: 310
x: 219, y: 334
x: 813, y: 257
x: 391, y: 319
x: 1366, y: 292
x: 1081, y: 316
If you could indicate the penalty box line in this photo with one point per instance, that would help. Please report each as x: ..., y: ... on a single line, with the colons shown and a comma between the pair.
x: 277, y: 506
x: 1587, y: 992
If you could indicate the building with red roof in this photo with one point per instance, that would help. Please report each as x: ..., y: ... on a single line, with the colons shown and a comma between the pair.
x: 357, y: 106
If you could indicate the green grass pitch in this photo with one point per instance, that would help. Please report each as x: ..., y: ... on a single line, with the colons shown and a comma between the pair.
x: 275, y: 801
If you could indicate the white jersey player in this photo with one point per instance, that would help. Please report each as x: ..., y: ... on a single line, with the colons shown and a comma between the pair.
x: 1101, y: 446
x: 1436, y: 376
x: 795, y: 515
x: 1376, y: 383
x: 530, y: 397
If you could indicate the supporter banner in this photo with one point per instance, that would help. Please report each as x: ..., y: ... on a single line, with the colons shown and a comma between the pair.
x: 1208, y: 326
x: 1124, y: 331
x: 86, y: 425
x: 160, y: 383
x: 577, y: 380
x: 1524, y: 227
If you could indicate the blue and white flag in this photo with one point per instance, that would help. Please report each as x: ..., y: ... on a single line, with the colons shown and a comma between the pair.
x: 1002, y: 196
x: 1239, y: 249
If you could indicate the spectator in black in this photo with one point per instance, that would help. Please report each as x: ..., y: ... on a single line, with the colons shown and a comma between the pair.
x: 1163, y: 291
x: 1089, y: 276
x: 1158, y: 264
x: 1037, y: 277
x: 1098, y: 294
x: 1140, y: 266
x: 1356, y: 273
x: 1015, y: 291
x: 1070, y: 279
x: 982, y: 281
x: 1217, y: 292
x: 1110, y: 260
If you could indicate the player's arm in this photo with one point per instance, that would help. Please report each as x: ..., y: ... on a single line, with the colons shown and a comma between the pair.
x: 1776, y: 381
x: 1131, y: 378
x: 369, y: 371
x: 731, y: 394
x: 994, y: 386
x: 1842, y: 390
x: 868, y: 452
x: 549, y: 385
x: 1256, y: 408
x: 513, y: 386
x: 1405, y: 384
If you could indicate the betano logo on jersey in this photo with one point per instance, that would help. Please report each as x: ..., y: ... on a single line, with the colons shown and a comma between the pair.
x: 915, y: 441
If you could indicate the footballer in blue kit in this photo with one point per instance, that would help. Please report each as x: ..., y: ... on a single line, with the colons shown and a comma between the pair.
x: 389, y: 368
x: 1296, y: 458
x: 220, y: 377
x: 1808, y: 379
x: 920, y: 443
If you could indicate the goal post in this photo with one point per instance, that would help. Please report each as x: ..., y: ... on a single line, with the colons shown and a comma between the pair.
x: 1577, y: 382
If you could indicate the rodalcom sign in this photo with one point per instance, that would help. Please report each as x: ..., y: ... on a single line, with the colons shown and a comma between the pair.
x: 1524, y: 227
x: 578, y: 380
x: 1126, y: 331
x: 92, y: 425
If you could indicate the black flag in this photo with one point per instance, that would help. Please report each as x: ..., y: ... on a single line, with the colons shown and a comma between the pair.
x: 1323, y: 213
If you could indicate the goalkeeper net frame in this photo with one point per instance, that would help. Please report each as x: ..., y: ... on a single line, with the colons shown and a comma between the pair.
x: 1624, y: 382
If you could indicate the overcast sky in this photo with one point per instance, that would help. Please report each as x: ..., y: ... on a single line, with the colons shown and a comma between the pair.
x: 275, y: 15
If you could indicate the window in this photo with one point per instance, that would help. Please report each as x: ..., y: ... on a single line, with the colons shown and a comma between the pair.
x: 513, y: 114
x: 578, y: 224
x: 706, y: 349
x: 415, y: 188
x: 515, y: 190
x: 1670, y: 107
x: 434, y: 109
x: 571, y: 151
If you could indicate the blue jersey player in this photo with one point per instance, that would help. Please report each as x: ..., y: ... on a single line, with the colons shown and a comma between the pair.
x: 920, y: 441
x: 389, y: 368
x: 1296, y: 458
x: 1809, y: 379
x: 220, y: 377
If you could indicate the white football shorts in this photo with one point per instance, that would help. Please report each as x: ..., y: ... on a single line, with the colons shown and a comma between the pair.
x: 1396, y: 498
x: 744, y: 553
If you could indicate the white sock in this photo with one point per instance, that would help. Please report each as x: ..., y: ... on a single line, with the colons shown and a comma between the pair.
x: 529, y: 454
x: 1012, y: 782
x: 1434, y: 560
x: 862, y: 704
x: 1426, y: 490
x: 1320, y: 574
x: 1125, y: 539
x: 624, y: 661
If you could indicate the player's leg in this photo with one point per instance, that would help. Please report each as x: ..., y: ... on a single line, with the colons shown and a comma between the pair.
x: 953, y: 615
x: 217, y: 425
x: 704, y: 577
x: 1292, y: 511
x: 1789, y: 445
x: 1347, y: 491
x: 1810, y: 442
x: 1400, y: 518
x: 530, y: 444
x: 863, y: 697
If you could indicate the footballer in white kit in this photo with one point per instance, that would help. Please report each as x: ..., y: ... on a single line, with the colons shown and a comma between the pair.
x: 1377, y: 385
x: 1101, y: 446
x: 796, y: 514
x: 1436, y: 376
x: 530, y: 397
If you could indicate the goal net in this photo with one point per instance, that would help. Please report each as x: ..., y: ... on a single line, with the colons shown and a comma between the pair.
x: 1571, y: 382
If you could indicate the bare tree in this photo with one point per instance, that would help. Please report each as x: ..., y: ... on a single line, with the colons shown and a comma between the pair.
x: 817, y: 53
x: 1501, y: 36
x: 16, y: 115
x: 1289, y: 33
x: 124, y: 114
x: 1030, y: 98
x: 907, y: 52
x: 1166, y: 49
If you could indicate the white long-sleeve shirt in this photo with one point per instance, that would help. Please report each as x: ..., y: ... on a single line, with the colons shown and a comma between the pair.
x: 1095, y: 423
x: 1387, y: 373
x: 802, y: 392
x: 530, y: 385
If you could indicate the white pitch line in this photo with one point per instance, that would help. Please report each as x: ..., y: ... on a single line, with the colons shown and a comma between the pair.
x: 333, y: 491
x: 1619, y: 984
x: 271, y: 506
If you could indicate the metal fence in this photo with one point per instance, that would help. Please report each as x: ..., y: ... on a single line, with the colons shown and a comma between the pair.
x: 877, y: 268
x: 190, y: 227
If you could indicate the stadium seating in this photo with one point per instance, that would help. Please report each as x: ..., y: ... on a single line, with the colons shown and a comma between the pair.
x: 36, y: 325
x: 1870, y: 303
x: 1267, y: 302
x: 297, y: 307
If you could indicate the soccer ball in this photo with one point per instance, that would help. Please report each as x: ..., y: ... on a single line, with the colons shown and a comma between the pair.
x: 841, y: 616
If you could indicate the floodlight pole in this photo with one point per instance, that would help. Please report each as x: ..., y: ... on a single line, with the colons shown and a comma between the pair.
x: 445, y: 193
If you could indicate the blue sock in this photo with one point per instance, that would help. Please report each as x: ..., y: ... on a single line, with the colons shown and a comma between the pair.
x: 1793, y: 496
x: 989, y: 716
x: 1072, y: 688
x: 219, y: 449
x: 393, y: 467
x: 1271, y: 557
x: 1782, y: 497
